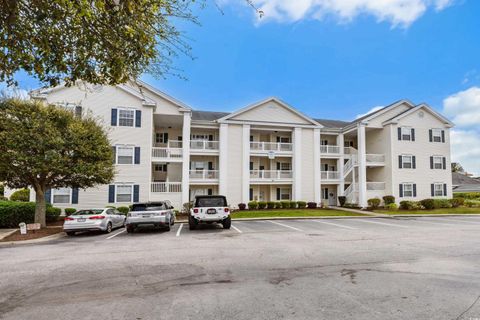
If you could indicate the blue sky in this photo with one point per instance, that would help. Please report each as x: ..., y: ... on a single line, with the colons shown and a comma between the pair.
x: 336, y: 60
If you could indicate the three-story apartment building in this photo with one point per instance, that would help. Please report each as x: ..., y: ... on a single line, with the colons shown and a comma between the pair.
x: 267, y: 151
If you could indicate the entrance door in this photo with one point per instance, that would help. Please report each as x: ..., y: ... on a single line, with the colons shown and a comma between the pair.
x: 332, y: 197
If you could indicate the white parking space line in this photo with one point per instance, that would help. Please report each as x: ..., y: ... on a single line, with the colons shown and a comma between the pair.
x: 236, y: 229
x: 285, y: 225
x: 382, y: 223
x: 179, y: 230
x: 455, y: 220
x: 336, y: 225
x: 116, y: 234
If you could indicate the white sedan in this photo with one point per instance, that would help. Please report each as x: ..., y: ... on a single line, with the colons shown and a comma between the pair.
x: 105, y: 220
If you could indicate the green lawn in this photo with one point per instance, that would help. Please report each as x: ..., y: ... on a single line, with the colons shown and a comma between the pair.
x: 266, y: 213
x: 435, y: 211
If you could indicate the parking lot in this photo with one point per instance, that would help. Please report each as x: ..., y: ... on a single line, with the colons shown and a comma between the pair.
x: 359, y: 268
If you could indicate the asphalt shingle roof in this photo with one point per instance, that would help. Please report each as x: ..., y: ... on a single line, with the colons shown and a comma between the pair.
x: 208, y: 115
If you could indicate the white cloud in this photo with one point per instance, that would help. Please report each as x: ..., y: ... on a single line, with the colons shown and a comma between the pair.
x: 464, y: 110
x: 397, y: 12
x: 369, y: 111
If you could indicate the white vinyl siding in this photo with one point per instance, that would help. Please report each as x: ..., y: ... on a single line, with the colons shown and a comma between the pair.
x: 124, y: 193
x: 126, y: 117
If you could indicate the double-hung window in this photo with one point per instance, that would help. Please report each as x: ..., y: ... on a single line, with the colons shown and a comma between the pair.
x: 438, y: 189
x: 406, y: 133
x: 125, y: 154
x: 126, y: 117
x: 62, y: 195
x: 437, y: 135
x: 437, y: 162
x: 284, y: 194
x: 285, y: 166
x: 408, y: 189
x: 124, y: 193
x: 407, y: 161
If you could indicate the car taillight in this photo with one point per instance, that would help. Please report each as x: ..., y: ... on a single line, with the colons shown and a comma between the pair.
x: 69, y: 219
x: 195, y: 210
x: 96, y: 217
x: 226, y: 209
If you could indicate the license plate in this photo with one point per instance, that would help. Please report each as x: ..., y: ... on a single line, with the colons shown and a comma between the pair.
x: 146, y: 216
x: 211, y: 211
x: 81, y: 220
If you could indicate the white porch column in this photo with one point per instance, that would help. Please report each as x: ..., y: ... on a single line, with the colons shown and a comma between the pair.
x: 246, y: 163
x: 317, y: 166
x: 362, y: 166
x: 341, y: 162
x: 297, y: 164
x: 223, y: 159
x: 187, y: 117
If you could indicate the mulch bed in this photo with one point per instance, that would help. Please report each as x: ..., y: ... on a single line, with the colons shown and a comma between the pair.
x: 45, y: 232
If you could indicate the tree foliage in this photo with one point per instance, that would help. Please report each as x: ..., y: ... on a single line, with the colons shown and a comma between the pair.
x: 47, y: 147
x: 97, y: 41
x: 457, y: 167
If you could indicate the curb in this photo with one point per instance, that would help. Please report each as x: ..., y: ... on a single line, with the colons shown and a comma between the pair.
x: 3, y: 236
x: 44, y: 239
x: 437, y: 215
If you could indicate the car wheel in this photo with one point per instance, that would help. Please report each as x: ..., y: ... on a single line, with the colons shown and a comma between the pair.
x: 227, y: 223
x: 70, y: 233
x: 109, y: 227
x: 167, y: 227
x: 130, y: 229
x: 192, y: 223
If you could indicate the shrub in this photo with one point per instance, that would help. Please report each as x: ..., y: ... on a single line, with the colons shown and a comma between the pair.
x: 262, y: 204
x: 278, y: 205
x: 285, y: 204
x: 428, y: 204
x: 270, y: 204
x: 457, y: 202
x: 374, y: 203
x: 293, y: 204
x: 301, y: 204
x: 388, y: 200
x: 2, y: 190
x: 187, y: 206
x: 406, y: 205
x: 311, y: 205
x: 253, y: 205
x: 3, y: 198
x: 242, y: 206
x: 70, y: 211
x: 472, y: 203
x: 21, y: 195
x: 123, y: 210
x: 467, y: 195
x: 351, y: 205
x: 342, y: 200
x: 13, y: 212
x: 441, y: 203
x: 391, y: 206
x: 52, y: 213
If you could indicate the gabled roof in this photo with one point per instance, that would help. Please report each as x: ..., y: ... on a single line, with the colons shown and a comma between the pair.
x: 208, y: 115
x: 332, y: 124
x: 420, y: 106
x: 145, y: 100
x: 271, y: 99
x: 162, y: 94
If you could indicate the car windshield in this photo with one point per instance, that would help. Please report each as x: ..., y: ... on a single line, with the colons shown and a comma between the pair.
x: 211, y: 202
x: 148, y: 207
x: 88, y: 212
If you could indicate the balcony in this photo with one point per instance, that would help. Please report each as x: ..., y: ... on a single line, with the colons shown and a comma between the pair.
x: 266, y: 147
x: 203, y: 175
x: 203, y: 146
x: 330, y: 150
x: 167, y: 154
x: 166, y: 187
x: 375, y: 160
x: 330, y: 175
x: 271, y: 175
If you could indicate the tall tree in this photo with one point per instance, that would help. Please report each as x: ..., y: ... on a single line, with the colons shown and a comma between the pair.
x: 47, y: 147
x: 457, y: 167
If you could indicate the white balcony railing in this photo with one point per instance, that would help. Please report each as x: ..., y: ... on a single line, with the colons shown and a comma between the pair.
x: 330, y: 175
x: 375, y: 158
x: 203, y: 174
x: 166, y: 187
x: 271, y: 174
x: 327, y: 149
x: 167, y: 153
x: 270, y: 146
x: 174, y: 144
x: 376, y: 186
x: 349, y: 164
x: 204, y: 145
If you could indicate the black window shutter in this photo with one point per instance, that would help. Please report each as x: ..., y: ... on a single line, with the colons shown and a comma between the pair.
x: 138, y: 118
x: 399, y: 133
x: 114, y: 150
x: 443, y: 135
x: 136, y: 193
x: 278, y: 165
x: 165, y: 137
x: 210, y: 165
x: 400, y: 164
x: 430, y: 134
x: 164, y: 168
x: 432, y: 189
x: 180, y: 138
x: 210, y: 137
x: 278, y: 139
x: 251, y: 138
x: 137, y: 155
x: 251, y: 165
x: 251, y: 194
x: 325, y: 166
x: 400, y: 190
x: 48, y: 196
x: 444, y: 163
x: 413, y: 134
x: 414, y: 162
x: 414, y: 189
x: 210, y: 192
x: 113, y: 119
x: 74, y: 195
x: 278, y: 193
x: 445, y: 189
x: 111, y: 193
x: 431, y: 162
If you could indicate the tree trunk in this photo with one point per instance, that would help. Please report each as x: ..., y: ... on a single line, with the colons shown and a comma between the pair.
x: 40, y: 208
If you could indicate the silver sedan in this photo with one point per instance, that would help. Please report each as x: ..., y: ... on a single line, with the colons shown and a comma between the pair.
x: 105, y: 220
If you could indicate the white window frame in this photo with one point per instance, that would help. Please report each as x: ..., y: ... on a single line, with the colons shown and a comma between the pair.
x: 436, y: 133
x: 118, y: 147
x: 285, y: 166
x: 120, y: 110
x: 199, y: 165
x: 410, y: 185
x: 406, y: 156
x: 405, y: 133
x: 161, y: 166
x: 160, y: 137
x: 56, y: 192
x: 440, y: 162
x: 116, y: 193
x: 284, y: 139
x: 435, y: 185
x: 285, y: 192
x: 199, y: 137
